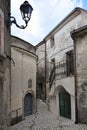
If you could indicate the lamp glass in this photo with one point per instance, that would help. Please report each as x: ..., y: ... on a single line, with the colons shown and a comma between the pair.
x: 26, y: 10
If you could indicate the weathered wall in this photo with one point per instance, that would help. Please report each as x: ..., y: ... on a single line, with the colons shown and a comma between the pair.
x: 81, y: 66
x: 4, y: 65
x: 41, y: 88
x: 62, y: 44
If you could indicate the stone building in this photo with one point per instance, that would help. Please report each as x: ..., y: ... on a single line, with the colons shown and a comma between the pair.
x: 60, y: 78
x: 80, y: 48
x: 23, y: 79
x: 5, y: 59
x: 41, y: 70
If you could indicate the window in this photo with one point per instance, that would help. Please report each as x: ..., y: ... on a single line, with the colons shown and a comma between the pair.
x: 52, y: 42
x: 53, y: 62
x: 69, y: 63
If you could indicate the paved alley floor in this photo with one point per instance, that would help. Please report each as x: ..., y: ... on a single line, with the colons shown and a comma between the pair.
x: 45, y: 120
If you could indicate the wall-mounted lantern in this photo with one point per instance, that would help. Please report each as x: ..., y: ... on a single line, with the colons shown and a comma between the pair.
x: 26, y: 11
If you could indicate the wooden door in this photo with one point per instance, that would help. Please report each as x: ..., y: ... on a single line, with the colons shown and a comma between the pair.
x: 65, y: 104
x: 28, y: 105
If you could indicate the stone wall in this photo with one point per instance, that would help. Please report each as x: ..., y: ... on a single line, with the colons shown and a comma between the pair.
x: 81, y: 66
x: 63, y: 43
x: 4, y: 65
x: 23, y: 69
x: 41, y: 86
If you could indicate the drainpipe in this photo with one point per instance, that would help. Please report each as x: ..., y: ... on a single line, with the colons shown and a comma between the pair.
x: 75, y: 71
x: 75, y: 75
x: 45, y: 69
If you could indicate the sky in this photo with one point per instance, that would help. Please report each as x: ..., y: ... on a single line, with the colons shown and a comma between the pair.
x: 45, y: 16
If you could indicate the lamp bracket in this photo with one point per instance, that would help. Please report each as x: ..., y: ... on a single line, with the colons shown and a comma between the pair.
x: 11, y: 20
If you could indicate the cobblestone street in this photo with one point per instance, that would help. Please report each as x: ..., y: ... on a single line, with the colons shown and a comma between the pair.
x: 44, y: 120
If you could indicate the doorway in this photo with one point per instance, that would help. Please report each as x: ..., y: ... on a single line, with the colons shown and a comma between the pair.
x: 28, y: 105
x: 65, y: 104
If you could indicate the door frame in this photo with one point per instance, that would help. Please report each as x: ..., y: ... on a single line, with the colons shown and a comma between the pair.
x: 28, y: 104
x: 27, y: 92
x: 65, y: 103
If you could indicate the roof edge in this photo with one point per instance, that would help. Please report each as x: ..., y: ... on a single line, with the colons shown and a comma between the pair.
x: 22, y: 40
x: 62, y: 21
x: 79, y: 31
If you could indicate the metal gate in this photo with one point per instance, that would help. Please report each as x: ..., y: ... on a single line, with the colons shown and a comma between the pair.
x: 65, y: 104
x: 28, y: 105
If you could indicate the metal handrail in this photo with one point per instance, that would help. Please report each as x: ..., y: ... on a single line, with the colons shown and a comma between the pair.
x: 16, y: 111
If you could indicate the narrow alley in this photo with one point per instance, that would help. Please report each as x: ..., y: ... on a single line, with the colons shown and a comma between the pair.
x: 44, y: 120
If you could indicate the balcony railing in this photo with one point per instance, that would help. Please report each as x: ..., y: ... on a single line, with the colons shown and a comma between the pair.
x: 61, y: 70
x: 64, y: 69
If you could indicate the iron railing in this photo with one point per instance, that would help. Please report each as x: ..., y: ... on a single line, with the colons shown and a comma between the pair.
x: 52, y: 76
x: 15, y: 116
x: 64, y: 69
x: 60, y: 70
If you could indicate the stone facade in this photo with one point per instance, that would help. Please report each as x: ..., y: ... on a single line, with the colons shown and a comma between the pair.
x: 80, y: 46
x: 23, y: 79
x: 41, y: 71
x: 4, y: 66
x: 60, y: 66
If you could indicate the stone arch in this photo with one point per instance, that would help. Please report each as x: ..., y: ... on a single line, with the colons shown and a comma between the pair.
x: 60, y: 89
x: 28, y: 103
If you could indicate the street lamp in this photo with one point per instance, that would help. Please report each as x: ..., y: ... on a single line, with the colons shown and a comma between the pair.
x: 26, y: 11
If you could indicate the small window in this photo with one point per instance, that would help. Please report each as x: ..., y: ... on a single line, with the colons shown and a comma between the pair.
x: 52, y: 42
x: 70, y: 63
x: 29, y: 83
x: 53, y: 62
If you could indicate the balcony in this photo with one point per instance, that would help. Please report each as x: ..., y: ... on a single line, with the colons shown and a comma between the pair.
x: 64, y: 69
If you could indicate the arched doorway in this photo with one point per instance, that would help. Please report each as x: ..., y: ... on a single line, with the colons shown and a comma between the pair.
x: 65, y: 104
x: 28, y: 104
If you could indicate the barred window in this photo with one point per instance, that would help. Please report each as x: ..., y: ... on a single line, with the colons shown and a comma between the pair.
x: 70, y: 63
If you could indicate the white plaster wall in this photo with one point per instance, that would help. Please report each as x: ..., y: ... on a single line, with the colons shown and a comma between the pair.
x: 68, y: 84
x: 53, y: 105
x: 73, y: 117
